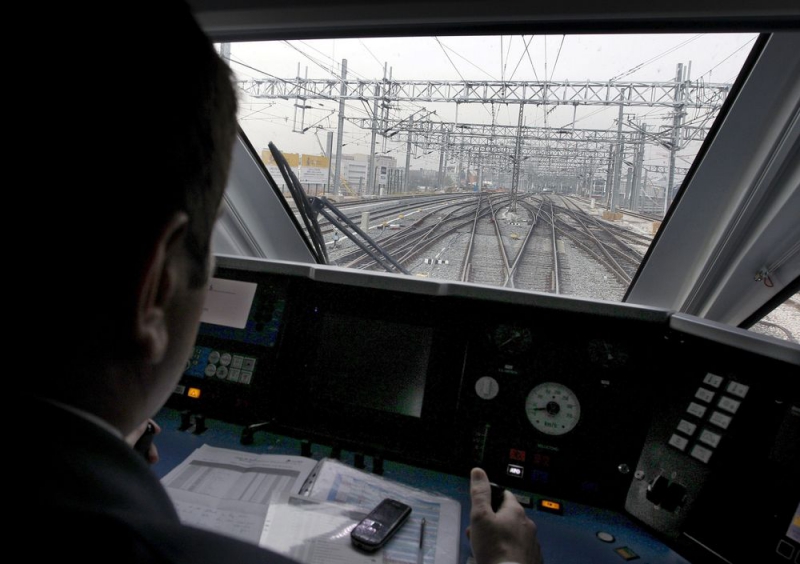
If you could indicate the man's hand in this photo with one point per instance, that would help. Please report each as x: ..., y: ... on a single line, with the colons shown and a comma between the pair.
x: 152, y: 452
x: 505, y: 536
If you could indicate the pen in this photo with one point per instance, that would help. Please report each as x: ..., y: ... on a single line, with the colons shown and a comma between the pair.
x: 421, y: 554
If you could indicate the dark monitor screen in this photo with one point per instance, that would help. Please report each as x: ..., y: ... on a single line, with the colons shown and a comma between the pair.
x: 373, y: 364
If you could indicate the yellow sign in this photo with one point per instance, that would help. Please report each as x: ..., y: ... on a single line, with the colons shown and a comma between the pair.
x: 194, y: 393
x: 292, y: 158
x: 315, y: 161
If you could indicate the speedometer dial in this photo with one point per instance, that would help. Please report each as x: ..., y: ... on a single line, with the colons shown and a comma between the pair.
x: 512, y: 340
x: 553, y: 408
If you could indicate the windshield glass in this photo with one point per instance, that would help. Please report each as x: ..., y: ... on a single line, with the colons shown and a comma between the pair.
x: 543, y: 163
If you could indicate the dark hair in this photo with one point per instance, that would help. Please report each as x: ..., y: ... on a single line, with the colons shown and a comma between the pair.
x: 191, y: 153
x: 138, y: 124
x: 204, y: 129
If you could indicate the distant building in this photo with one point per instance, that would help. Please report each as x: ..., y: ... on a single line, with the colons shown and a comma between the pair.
x: 355, y: 172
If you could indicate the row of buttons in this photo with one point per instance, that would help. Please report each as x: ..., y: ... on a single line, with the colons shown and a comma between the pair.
x: 232, y: 375
x: 226, y: 359
x: 710, y: 438
x: 210, y: 363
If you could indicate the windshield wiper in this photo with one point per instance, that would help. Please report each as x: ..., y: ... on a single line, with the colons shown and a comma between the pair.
x: 304, y: 209
x: 308, y: 209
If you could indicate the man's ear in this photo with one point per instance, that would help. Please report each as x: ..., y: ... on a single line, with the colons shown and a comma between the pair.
x: 157, y: 288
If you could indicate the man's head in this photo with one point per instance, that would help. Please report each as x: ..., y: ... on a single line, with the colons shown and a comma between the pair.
x: 142, y: 162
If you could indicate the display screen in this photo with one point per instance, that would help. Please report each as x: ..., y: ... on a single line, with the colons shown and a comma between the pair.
x: 374, y: 364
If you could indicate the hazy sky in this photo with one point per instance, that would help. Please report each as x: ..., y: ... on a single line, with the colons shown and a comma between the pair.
x: 714, y: 58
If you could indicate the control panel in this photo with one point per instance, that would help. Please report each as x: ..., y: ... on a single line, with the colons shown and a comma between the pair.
x: 558, y: 401
x: 665, y: 416
x: 721, y: 462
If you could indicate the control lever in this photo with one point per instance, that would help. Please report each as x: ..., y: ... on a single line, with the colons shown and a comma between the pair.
x: 186, y: 420
x: 377, y: 465
x: 189, y: 420
x: 199, y: 424
x: 665, y: 493
x: 248, y: 432
x: 498, y: 493
x: 358, y: 460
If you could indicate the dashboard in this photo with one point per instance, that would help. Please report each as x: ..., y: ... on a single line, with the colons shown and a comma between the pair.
x: 628, y: 408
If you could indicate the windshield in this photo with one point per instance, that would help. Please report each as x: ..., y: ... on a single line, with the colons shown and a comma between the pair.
x: 543, y: 163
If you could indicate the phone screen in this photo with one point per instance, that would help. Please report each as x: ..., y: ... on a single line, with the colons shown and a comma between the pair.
x: 378, y: 527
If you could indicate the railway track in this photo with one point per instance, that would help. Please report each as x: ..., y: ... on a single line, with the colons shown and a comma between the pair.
x: 532, y: 245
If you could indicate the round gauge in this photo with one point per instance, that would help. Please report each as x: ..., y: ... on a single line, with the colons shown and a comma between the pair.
x: 552, y: 408
x: 487, y: 387
x: 512, y: 340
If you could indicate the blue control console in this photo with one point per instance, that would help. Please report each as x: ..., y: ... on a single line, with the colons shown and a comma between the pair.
x: 580, y: 533
x: 629, y: 431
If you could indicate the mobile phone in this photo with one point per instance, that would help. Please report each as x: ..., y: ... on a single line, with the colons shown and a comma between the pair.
x: 374, y: 530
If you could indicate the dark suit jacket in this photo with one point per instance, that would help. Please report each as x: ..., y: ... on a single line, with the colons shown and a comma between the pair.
x: 80, y: 494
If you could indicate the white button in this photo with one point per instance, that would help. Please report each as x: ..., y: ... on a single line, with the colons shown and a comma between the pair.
x: 678, y: 442
x: 233, y: 375
x: 701, y: 453
x: 237, y: 361
x: 210, y: 370
x: 605, y: 537
x: 712, y: 380
x: 696, y: 409
x: 245, y: 377
x: 225, y: 359
x: 249, y: 363
x: 703, y: 394
x: 222, y: 372
x: 686, y: 427
x: 729, y: 404
x: 738, y: 389
x: 710, y: 438
x: 720, y: 419
x: 213, y: 358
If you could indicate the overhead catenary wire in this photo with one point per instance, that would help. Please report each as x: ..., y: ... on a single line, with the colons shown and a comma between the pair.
x: 657, y: 57
x: 351, y: 70
x: 726, y: 58
x: 506, y: 57
x: 557, y: 56
x: 522, y: 56
x: 294, y: 83
x: 465, y: 59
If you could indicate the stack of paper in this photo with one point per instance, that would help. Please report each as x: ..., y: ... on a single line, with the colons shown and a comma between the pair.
x: 306, y: 509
